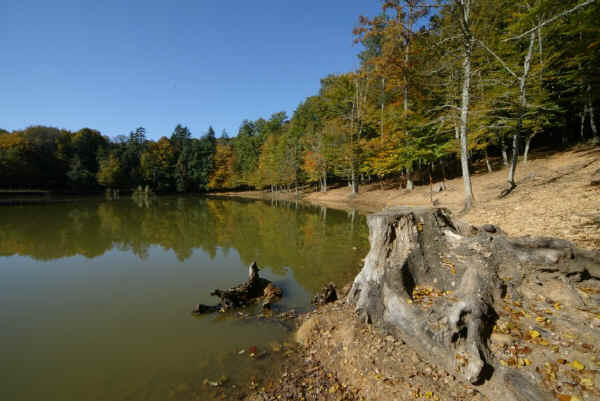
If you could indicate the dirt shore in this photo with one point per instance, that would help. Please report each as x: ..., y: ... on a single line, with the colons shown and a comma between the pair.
x: 553, y: 198
x: 343, y: 359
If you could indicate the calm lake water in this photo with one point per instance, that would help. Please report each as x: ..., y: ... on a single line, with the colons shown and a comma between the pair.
x: 96, y: 295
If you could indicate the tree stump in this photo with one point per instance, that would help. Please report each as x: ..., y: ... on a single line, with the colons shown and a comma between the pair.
x: 252, y: 291
x: 441, y: 285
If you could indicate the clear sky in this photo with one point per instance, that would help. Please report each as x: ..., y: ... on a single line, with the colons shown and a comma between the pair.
x: 114, y: 65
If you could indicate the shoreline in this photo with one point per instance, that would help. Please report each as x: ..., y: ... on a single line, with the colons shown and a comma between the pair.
x: 531, y: 209
x: 351, y: 360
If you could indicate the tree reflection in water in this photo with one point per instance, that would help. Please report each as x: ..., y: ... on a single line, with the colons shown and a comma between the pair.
x: 278, y: 235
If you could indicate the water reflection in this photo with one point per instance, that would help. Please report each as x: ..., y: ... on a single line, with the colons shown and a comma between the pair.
x: 277, y: 234
x: 96, y: 294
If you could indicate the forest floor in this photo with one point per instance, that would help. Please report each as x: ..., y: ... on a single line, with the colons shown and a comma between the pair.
x: 340, y: 358
x: 553, y: 197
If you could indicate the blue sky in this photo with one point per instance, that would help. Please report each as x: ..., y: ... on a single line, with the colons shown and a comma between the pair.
x: 116, y: 65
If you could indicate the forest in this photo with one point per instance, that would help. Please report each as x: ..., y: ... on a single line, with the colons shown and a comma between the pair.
x: 443, y: 84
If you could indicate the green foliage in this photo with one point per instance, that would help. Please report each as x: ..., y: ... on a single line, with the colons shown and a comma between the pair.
x: 399, y: 111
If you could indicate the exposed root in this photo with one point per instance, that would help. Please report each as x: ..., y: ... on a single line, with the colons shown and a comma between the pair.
x: 473, y: 271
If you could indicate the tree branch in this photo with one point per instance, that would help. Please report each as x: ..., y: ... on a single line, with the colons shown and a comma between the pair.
x: 498, y: 58
x: 548, y: 21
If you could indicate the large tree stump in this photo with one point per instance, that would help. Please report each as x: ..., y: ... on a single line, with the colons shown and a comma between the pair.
x: 441, y: 285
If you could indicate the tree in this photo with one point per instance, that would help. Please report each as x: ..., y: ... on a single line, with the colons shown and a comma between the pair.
x: 157, y: 164
x: 79, y: 176
x: 464, y: 16
x: 110, y: 173
x: 180, y: 137
x: 222, y: 176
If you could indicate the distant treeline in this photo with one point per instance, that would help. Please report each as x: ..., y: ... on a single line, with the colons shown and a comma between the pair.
x: 463, y: 82
x: 46, y: 157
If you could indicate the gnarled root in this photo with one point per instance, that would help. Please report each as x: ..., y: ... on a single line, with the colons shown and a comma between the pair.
x: 441, y: 285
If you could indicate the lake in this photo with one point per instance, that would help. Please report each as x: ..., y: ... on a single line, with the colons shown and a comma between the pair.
x: 96, y: 294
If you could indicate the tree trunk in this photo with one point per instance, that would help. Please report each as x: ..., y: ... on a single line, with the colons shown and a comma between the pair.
x: 464, y: 109
x: 522, y: 107
x: 405, y: 72
x: 504, y: 155
x: 382, y: 105
x: 487, y: 162
x: 431, y: 183
x: 354, y: 181
x: 447, y: 289
x: 590, y: 108
x: 514, y: 157
x: 582, y: 125
x: 464, y: 116
x: 526, y: 152
x: 409, y: 182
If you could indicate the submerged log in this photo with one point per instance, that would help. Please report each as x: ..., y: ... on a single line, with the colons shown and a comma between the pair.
x: 441, y: 286
x: 256, y: 289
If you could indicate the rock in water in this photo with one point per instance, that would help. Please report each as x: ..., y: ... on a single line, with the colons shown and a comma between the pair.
x: 440, y: 284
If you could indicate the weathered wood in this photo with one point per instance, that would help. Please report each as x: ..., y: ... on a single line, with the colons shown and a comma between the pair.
x: 327, y: 295
x: 256, y: 289
x: 473, y: 271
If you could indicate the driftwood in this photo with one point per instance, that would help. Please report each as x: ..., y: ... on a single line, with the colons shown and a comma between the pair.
x: 256, y: 289
x: 327, y: 295
x: 441, y: 286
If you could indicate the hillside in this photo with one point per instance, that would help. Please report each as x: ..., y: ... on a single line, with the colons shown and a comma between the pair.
x: 553, y: 198
x: 342, y: 358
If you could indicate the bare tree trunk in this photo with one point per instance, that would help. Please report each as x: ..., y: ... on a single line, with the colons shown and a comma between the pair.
x: 590, y: 109
x: 464, y: 110
x: 324, y: 187
x: 526, y: 152
x: 382, y: 104
x: 582, y: 125
x: 406, y: 53
x: 487, y: 162
x: 522, y: 106
x: 410, y: 185
x: 354, y: 180
x: 513, y: 160
x: 431, y: 183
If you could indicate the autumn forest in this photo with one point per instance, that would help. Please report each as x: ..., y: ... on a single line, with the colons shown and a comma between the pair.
x: 440, y: 88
